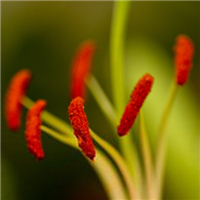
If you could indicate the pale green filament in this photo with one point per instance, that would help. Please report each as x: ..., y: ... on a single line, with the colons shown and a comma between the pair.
x: 102, y: 100
x: 147, y: 157
x: 49, y: 118
x: 162, y: 139
x: 108, y: 110
x: 119, y: 161
x: 117, y: 38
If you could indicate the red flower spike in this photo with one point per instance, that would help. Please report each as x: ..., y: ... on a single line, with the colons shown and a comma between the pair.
x: 184, y: 51
x: 80, y: 125
x: 80, y: 68
x: 33, y: 132
x: 138, y: 96
x: 16, y: 90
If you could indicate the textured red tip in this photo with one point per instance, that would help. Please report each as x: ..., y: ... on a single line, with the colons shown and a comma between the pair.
x: 80, y: 125
x: 184, y: 51
x: 16, y: 90
x: 81, y: 67
x: 33, y: 132
x: 138, y: 96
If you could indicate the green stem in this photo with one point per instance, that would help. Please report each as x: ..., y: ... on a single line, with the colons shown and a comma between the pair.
x: 102, y: 100
x: 117, y: 38
x: 119, y: 162
x: 104, y: 168
x: 59, y: 137
x: 49, y: 118
x: 109, y: 177
x: 162, y: 139
x: 108, y: 110
x: 146, y: 152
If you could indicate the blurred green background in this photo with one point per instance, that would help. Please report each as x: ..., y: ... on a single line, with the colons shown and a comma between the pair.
x: 42, y: 36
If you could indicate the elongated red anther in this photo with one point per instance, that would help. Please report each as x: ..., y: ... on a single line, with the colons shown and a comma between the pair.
x: 81, y: 67
x: 80, y: 125
x: 33, y: 132
x: 138, y: 96
x: 16, y: 90
x: 184, y: 51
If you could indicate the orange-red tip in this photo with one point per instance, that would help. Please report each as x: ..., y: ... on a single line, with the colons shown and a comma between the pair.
x: 80, y: 125
x: 132, y: 109
x: 184, y: 52
x: 81, y: 67
x: 33, y: 132
x: 15, y: 92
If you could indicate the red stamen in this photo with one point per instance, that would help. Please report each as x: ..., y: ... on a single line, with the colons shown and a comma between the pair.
x: 81, y: 68
x: 33, y: 132
x: 80, y: 125
x: 184, y: 51
x: 16, y: 91
x: 138, y: 96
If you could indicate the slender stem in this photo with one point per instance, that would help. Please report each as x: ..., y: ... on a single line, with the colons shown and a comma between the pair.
x: 147, y: 157
x: 108, y: 110
x: 69, y: 141
x: 117, y: 38
x: 102, y: 100
x: 119, y: 161
x: 162, y: 139
x: 49, y: 118
x: 104, y: 168
x: 109, y: 177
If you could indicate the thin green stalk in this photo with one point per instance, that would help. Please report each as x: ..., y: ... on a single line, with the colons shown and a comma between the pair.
x: 119, y: 161
x: 66, y: 140
x: 102, y: 100
x: 109, y: 177
x: 108, y: 110
x: 147, y: 158
x: 131, y: 156
x: 104, y: 168
x: 162, y: 139
x: 117, y: 37
x: 49, y: 118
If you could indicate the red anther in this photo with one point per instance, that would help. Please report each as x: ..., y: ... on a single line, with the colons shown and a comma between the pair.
x: 33, y: 132
x: 81, y: 67
x: 138, y: 96
x: 184, y: 51
x: 80, y: 125
x: 16, y: 90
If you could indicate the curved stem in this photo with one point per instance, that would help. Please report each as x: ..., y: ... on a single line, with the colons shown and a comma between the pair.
x: 162, y: 139
x: 49, y: 118
x: 119, y: 161
x: 104, y: 168
x: 102, y: 100
x: 59, y: 137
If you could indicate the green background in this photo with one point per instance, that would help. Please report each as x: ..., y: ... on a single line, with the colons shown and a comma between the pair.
x: 43, y: 36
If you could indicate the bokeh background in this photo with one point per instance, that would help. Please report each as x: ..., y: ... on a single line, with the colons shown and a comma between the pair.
x: 42, y: 36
